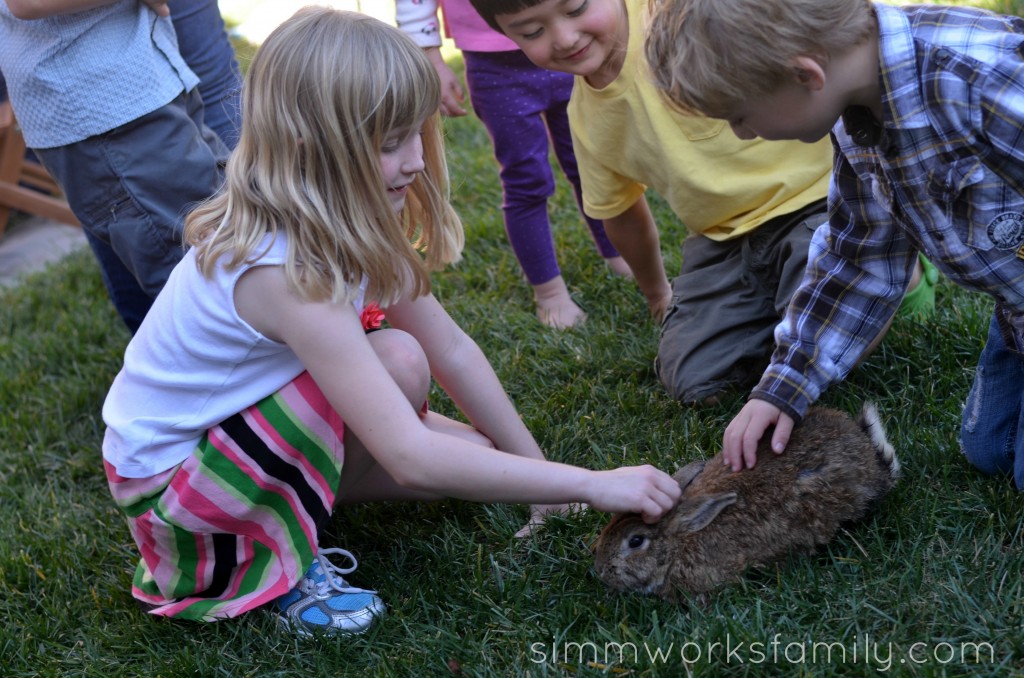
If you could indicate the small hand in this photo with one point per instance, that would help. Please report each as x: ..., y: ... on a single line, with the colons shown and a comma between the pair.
x: 452, y: 95
x: 659, y: 306
x: 159, y: 6
x: 540, y: 512
x: 739, y: 444
x: 635, y: 489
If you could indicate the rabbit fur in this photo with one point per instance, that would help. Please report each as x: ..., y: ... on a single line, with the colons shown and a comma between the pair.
x: 832, y: 472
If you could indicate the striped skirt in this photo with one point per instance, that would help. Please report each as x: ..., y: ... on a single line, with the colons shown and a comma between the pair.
x: 236, y: 525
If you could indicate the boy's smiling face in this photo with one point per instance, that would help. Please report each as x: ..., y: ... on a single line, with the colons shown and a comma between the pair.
x: 582, y: 37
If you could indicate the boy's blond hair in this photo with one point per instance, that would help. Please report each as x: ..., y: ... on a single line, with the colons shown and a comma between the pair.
x: 321, y: 97
x: 708, y: 56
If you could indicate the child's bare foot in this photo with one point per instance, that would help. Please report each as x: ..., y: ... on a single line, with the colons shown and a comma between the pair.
x: 555, y: 308
x: 619, y: 266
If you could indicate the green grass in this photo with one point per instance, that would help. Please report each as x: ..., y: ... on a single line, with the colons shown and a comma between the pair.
x: 935, y: 570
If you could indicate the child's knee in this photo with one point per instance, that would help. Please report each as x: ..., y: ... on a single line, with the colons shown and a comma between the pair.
x: 983, y: 439
x: 694, y: 380
x: 984, y: 449
x: 989, y: 460
x: 405, y: 361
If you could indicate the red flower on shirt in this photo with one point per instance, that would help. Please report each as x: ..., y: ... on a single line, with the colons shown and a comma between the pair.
x: 372, y: 316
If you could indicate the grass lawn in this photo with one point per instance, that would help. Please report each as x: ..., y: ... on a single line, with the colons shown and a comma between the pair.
x: 930, y: 585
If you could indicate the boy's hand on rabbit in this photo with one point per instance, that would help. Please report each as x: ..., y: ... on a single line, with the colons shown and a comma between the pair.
x: 635, y: 489
x: 540, y: 512
x: 739, y: 444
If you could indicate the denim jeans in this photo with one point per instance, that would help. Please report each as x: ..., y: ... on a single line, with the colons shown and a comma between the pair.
x: 131, y: 188
x: 203, y: 43
x: 992, y: 430
x: 130, y: 300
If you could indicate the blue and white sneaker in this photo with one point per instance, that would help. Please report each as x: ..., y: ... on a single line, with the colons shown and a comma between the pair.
x: 323, y: 600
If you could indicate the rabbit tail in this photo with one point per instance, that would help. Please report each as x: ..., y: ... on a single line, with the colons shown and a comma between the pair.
x: 872, y: 425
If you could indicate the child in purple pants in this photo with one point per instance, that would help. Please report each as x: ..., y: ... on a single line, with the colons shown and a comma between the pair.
x: 521, y: 106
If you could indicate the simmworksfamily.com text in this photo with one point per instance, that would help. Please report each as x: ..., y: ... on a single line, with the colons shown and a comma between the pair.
x: 863, y: 650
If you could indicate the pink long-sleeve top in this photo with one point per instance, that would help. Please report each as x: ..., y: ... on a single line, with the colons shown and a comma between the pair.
x: 418, y: 19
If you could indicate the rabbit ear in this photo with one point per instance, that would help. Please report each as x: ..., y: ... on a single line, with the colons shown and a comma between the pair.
x: 688, y: 473
x: 697, y: 514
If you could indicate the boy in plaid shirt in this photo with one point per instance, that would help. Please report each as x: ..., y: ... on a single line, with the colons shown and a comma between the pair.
x: 925, y: 106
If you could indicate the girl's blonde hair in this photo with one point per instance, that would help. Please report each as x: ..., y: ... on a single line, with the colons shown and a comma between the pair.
x: 321, y: 96
x: 708, y: 56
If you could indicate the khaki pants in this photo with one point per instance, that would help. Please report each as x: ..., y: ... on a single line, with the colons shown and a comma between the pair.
x: 727, y: 300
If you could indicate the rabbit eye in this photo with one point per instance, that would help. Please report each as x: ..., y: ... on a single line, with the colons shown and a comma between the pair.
x: 636, y: 541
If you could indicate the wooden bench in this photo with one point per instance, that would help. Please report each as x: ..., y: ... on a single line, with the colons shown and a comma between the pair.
x: 25, y: 185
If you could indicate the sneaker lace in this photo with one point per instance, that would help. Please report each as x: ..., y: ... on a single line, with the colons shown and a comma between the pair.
x: 332, y: 573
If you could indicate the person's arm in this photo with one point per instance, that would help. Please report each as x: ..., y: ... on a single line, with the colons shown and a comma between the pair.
x: 418, y: 20
x: 635, y: 235
x: 463, y: 371
x: 858, y: 269
x: 40, y: 9
x: 330, y: 342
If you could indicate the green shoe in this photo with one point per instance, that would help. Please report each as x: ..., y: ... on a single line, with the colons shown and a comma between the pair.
x: 920, y: 302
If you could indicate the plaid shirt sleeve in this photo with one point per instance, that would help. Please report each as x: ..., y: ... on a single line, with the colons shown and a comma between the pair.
x: 948, y: 165
x: 859, y: 267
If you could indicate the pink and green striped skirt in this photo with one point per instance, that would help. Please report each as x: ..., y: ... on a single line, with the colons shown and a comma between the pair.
x: 236, y: 525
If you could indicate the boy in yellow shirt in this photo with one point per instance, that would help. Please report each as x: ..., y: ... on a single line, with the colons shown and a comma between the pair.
x: 750, y: 206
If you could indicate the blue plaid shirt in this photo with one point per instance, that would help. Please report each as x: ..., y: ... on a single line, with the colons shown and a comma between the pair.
x: 76, y: 75
x: 943, y: 174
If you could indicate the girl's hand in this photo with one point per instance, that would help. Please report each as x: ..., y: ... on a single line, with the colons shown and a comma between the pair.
x: 540, y: 512
x: 635, y: 489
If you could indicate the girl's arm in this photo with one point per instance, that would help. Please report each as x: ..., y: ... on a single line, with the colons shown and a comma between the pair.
x: 463, y: 371
x: 330, y: 342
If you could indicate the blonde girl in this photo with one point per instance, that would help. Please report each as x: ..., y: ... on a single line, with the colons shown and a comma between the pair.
x: 253, y: 400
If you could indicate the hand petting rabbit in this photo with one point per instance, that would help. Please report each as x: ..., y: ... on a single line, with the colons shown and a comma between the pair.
x: 833, y: 472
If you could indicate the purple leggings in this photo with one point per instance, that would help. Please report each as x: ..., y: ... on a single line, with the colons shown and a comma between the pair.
x: 521, y: 105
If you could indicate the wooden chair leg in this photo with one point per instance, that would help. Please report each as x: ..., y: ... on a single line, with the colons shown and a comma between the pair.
x: 15, y: 170
x: 9, y: 171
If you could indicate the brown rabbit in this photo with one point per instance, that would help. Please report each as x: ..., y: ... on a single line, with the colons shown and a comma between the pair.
x: 832, y: 472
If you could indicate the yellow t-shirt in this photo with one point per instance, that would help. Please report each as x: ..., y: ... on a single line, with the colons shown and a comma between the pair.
x: 627, y: 138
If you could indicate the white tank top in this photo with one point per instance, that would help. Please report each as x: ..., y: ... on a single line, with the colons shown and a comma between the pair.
x: 193, y: 363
